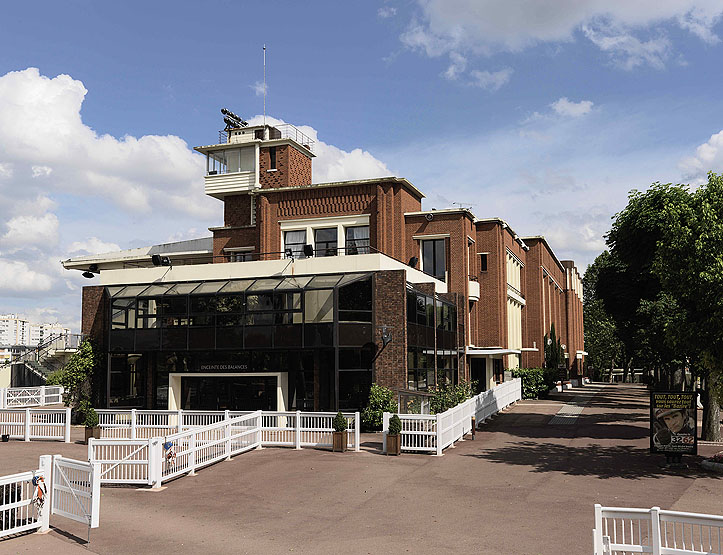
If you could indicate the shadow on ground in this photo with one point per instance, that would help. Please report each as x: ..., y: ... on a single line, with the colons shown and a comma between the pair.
x: 594, y: 460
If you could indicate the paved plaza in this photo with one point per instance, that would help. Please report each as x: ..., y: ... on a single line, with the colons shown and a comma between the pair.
x: 523, y: 486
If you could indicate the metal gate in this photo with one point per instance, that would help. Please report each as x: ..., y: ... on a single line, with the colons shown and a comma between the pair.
x: 76, y: 490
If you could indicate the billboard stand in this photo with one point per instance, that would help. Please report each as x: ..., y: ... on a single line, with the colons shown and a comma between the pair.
x: 673, y: 425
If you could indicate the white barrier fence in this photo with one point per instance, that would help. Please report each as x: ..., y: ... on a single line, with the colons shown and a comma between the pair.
x: 129, y: 453
x: 620, y: 530
x: 19, y: 397
x: 27, y: 424
x: 19, y: 512
x: 436, y: 432
x: 75, y: 490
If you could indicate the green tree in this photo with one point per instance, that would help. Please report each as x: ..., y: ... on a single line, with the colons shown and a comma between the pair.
x: 601, y: 335
x: 554, y: 354
x: 689, y: 263
x: 76, y: 376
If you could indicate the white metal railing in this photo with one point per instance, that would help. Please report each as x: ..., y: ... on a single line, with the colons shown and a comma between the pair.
x: 436, y: 432
x: 294, y: 429
x: 19, y: 510
x: 12, y: 397
x: 131, y: 451
x: 75, y: 490
x: 27, y: 424
x: 621, y: 530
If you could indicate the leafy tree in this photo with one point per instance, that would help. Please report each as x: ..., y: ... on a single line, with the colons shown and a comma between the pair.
x: 554, y: 354
x: 689, y: 263
x: 77, y: 375
x: 601, y: 334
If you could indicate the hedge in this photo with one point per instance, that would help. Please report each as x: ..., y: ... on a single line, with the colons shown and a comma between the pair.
x: 534, y: 382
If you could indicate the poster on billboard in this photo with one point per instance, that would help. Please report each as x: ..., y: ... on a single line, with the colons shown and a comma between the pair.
x: 673, y: 422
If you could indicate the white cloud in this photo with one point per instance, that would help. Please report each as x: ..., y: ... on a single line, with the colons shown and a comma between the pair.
x: 259, y: 88
x: 41, y: 171
x: 6, y: 170
x: 17, y: 277
x: 386, y: 12
x: 566, y: 107
x: 92, y: 245
x: 332, y: 163
x: 708, y: 157
x: 492, y: 81
x: 136, y: 174
x: 26, y: 231
x: 458, y: 64
x: 486, y: 27
x: 628, y: 52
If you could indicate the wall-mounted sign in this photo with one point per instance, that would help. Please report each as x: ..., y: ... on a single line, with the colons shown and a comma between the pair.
x: 673, y: 422
x: 229, y: 367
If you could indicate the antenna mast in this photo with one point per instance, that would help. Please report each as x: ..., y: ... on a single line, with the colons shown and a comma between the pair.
x: 264, y: 88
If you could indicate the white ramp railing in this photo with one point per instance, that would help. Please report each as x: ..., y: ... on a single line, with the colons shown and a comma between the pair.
x: 27, y: 424
x: 76, y: 490
x: 620, y: 530
x: 20, y: 510
x: 20, y: 397
x: 435, y: 432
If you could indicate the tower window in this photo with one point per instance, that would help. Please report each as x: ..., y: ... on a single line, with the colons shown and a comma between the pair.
x: 272, y: 158
x: 483, y: 262
x: 433, y: 258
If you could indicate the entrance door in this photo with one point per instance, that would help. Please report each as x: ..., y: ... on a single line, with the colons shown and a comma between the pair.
x: 228, y: 393
x: 478, y: 372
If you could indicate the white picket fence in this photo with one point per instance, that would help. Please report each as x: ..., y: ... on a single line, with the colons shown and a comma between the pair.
x: 131, y: 449
x: 436, y: 432
x: 620, y: 530
x: 75, y: 490
x: 18, y: 512
x: 20, y: 397
x: 27, y: 424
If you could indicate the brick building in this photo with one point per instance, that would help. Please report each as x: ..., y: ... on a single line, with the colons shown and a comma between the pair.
x: 308, y: 293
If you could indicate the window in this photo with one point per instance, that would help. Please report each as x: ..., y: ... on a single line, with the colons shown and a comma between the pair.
x: 272, y: 158
x: 325, y: 241
x: 239, y: 255
x: 357, y: 240
x: 294, y: 241
x: 230, y: 161
x: 483, y: 262
x: 433, y: 258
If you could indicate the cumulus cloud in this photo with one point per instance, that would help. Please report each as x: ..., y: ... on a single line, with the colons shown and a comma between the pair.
x: 386, y: 12
x: 18, y: 278
x: 259, y: 88
x: 136, y: 174
x: 25, y: 231
x: 332, y: 163
x: 708, y: 157
x: 486, y: 27
x: 492, y: 81
x: 566, y: 107
x: 92, y: 245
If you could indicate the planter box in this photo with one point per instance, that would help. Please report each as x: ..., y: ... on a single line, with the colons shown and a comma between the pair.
x: 92, y: 432
x: 394, y: 444
x: 339, y: 441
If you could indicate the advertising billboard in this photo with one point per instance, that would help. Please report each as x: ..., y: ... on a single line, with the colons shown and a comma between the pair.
x: 673, y: 422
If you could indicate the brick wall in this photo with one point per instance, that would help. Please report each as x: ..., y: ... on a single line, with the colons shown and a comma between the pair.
x: 293, y: 168
x: 390, y: 309
x: 94, y: 325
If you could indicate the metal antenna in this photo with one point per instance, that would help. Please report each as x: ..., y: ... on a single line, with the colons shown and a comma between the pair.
x: 264, y: 88
x: 465, y: 205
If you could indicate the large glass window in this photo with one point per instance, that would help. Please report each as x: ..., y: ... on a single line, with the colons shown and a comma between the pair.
x: 433, y: 258
x: 357, y: 240
x: 231, y: 160
x: 294, y: 242
x: 325, y: 241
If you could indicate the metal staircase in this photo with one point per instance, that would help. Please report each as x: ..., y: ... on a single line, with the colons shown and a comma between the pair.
x: 49, y: 356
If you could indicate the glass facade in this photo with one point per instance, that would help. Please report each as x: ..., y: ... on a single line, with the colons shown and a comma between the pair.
x: 431, y: 341
x: 318, y: 329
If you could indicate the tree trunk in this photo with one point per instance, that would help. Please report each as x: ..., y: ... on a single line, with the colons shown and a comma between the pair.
x: 711, y: 406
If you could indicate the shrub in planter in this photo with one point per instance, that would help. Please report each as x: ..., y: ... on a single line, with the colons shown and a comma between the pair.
x: 533, y: 382
x: 90, y: 420
x: 339, y: 434
x: 394, y: 436
x: 381, y: 400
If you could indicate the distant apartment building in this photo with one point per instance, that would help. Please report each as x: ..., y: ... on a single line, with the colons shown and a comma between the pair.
x: 309, y: 292
x: 15, y: 330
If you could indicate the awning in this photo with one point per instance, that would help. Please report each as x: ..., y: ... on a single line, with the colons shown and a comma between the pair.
x: 488, y: 351
x: 266, y: 284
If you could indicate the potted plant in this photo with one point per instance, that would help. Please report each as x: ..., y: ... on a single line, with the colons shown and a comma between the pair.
x: 90, y: 421
x: 339, y: 433
x: 394, y: 436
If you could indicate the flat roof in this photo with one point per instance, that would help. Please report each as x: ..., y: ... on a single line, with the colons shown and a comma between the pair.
x: 541, y: 238
x: 404, y: 181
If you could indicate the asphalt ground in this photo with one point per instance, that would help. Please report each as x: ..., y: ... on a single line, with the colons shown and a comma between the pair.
x: 522, y: 486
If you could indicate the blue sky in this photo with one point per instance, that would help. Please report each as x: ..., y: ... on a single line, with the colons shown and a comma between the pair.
x: 542, y: 113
